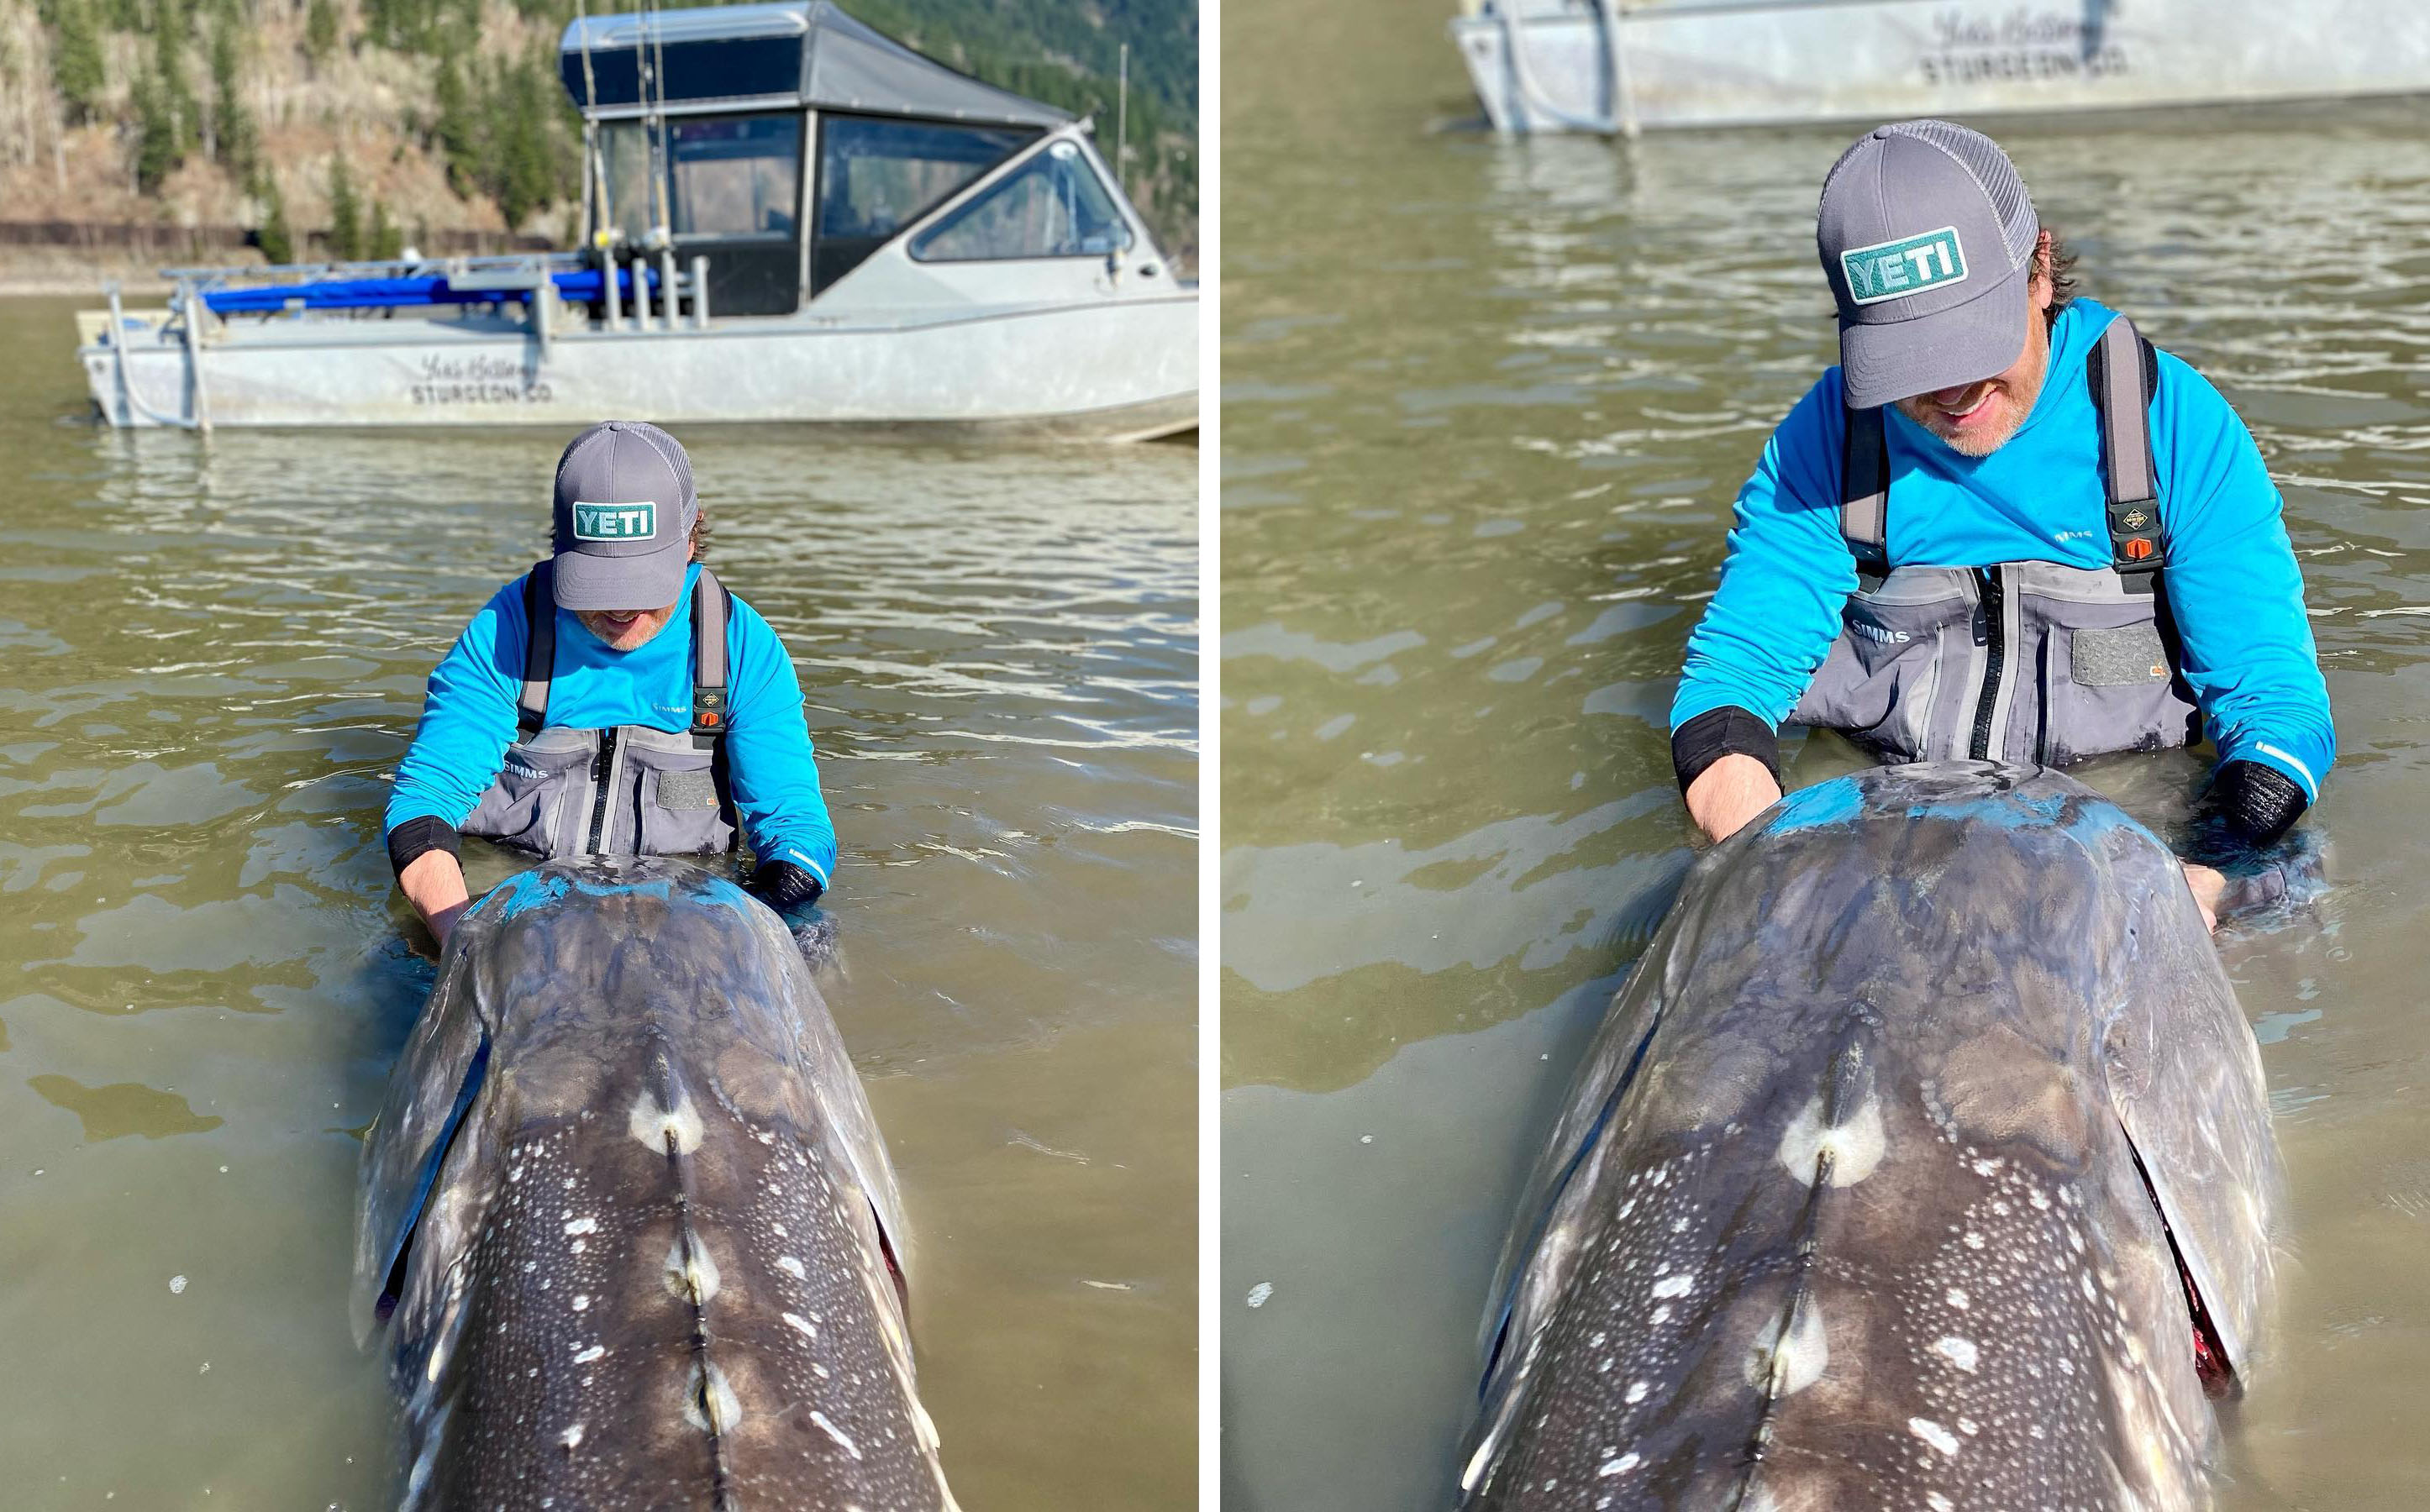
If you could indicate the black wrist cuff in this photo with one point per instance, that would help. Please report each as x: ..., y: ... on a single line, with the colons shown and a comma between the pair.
x: 417, y: 836
x: 2248, y: 805
x: 1720, y: 732
x: 784, y: 886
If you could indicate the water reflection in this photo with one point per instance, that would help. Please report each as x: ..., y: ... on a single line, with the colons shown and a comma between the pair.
x: 1485, y: 406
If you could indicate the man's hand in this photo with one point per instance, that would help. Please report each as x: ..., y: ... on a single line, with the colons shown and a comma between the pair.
x: 2208, y: 884
x: 784, y: 886
x: 434, y: 884
x: 1728, y: 793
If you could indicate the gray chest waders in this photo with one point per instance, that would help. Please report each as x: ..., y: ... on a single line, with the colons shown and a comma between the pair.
x: 2028, y: 662
x: 627, y: 791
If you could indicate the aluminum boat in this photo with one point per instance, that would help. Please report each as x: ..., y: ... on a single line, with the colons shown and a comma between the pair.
x: 788, y: 216
x: 1619, y: 66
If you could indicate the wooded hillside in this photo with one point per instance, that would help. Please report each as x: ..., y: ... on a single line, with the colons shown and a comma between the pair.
x: 377, y: 120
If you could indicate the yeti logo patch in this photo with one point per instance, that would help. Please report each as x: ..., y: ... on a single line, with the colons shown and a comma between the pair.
x: 1894, y: 270
x: 616, y: 522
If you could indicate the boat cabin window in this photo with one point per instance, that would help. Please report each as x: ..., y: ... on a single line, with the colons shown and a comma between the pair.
x: 1053, y: 205
x: 878, y: 176
x: 733, y: 177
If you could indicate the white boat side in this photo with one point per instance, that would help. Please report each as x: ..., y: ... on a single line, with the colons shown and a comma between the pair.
x: 1102, y: 341
x: 1601, y: 65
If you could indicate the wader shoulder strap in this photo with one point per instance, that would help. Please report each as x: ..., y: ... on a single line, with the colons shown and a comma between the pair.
x: 2123, y: 373
x: 540, y: 646
x: 708, y: 661
x: 1865, y: 494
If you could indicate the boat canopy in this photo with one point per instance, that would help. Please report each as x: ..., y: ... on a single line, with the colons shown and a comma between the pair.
x: 809, y: 53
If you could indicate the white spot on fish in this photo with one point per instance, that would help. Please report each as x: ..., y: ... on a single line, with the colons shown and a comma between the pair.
x: 778, y: 1229
x: 1933, y: 1433
x: 696, y: 1282
x: 655, y: 1125
x: 1957, y: 1351
x: 800, y: 1326
x: 1636, y: 1392
x: 1662, y: 1314
x: 1672, y: 1285
x: 585, y: 1356
x: 1614, y: 1467
x: 580, y: 1245
x: 1939, y: 1502
x: 583, y: 1225
x: 176, y: 1284
x: 1786, y: 1361
x: 1855, y: 1147
x: 835, y: 1433
x: 791, y: 1268
x: 1958, y: 1299
x: 581, y: 1304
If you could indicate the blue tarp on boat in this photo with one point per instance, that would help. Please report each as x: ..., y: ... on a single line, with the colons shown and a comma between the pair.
x: 579, y: 286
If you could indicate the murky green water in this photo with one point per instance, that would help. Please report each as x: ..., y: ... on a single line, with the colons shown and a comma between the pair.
x: 214, y: 657
x: 1485, y: 406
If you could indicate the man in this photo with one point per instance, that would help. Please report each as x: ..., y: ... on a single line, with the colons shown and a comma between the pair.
x: 657, y: 730
x: 2003, y: 527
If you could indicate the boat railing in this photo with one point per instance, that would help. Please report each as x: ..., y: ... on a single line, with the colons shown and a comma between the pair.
x: 659, y: 294
x: 537, y: 281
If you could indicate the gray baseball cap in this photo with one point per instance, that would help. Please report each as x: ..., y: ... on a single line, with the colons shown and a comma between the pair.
x: 1926, y: 235
x: 624, y: 508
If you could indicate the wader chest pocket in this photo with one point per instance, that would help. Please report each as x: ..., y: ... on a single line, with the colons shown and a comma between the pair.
x: 543, y: 782
x: 681, y: 814
x: 1881, y: 681
x: 2110, y: 689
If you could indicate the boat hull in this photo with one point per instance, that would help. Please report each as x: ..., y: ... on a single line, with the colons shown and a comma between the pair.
x: 1123, y: 368
x: 1712, y: 65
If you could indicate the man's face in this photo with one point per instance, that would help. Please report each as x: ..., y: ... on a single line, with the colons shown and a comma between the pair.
x: 1977, y: 419
x: 627, y: 629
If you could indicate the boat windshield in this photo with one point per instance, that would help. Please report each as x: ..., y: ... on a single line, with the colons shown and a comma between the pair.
x: 877, y: 175
x: 1053, y: 205
x: 732, y: 177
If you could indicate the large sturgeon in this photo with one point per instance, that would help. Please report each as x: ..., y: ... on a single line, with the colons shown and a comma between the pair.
x: 635, y: 1220
x: 1924, y: 1162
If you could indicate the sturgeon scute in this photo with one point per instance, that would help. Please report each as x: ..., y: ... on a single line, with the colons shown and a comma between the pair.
x: 634, y: 1218
x: 1920, y: 1155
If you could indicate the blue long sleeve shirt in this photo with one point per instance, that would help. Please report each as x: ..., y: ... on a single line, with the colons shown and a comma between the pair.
x: 468, y: 718
x: 2232, y: 582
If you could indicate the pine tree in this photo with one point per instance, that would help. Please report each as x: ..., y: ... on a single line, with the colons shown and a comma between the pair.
x: 458, y: 140
x: 517, y: 158
x: 320, y: 32
x: 345, y: 214
x: 387, y: 239
x: 239, y: 142
x: 176, y: 98
x: 278, y: 243
x: 156, y: 135
x: 75, y: 59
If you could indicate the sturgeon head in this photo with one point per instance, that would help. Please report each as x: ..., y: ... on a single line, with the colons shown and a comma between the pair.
x: 631, y: 1212
x: 1922, y: 1162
